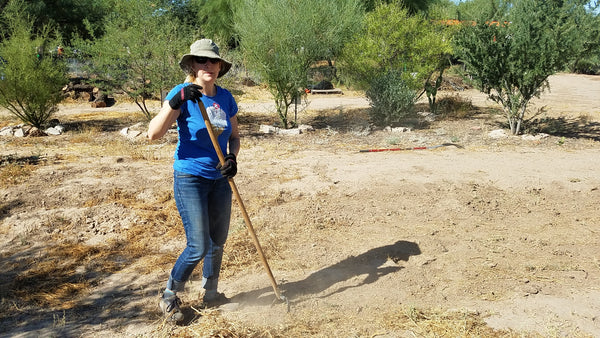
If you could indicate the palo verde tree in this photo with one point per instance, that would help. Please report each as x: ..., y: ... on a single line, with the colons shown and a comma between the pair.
x: 413, y: 6
x: 472, y: 10
x: 587, y: 60
x: 139, y: 51
x: 511, y: 57
x: 68, y: 16
x: 281, y: 39
x: 216, y: 20
x: 395, y: 52
x: 31, y: 76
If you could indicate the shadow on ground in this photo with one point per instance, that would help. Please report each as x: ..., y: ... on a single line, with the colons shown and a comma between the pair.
x: 373, y: 263
x: 579, y: 127
x: 103, y: 125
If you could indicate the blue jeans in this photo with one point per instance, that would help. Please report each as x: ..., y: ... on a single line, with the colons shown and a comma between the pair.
x: 205, y: 209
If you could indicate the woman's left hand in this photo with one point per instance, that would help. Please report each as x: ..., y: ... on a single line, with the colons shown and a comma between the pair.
x: 229, y: 168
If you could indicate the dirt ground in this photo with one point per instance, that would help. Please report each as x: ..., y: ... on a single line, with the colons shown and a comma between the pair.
x: 362, y: 244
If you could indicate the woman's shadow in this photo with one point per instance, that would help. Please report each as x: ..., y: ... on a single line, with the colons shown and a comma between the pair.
x: 371, y: 263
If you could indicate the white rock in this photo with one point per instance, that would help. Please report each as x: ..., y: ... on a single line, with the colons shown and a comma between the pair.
x: 6, y: 131
x: 305, y: 128
x: 265, y: 129
x: 399, y: 130
x: 54, y: 130
x: 133, y: 134
x: 19, y: 132
x: 498, y: 133
x: 294, y: 131
x: 427, y: 116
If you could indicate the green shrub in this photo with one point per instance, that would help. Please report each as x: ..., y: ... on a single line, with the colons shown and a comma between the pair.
x: 32, y: 76
x: 391, y: 99
x: 590, y: 65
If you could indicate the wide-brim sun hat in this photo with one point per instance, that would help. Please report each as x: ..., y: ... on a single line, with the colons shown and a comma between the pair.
x: 206, y: 48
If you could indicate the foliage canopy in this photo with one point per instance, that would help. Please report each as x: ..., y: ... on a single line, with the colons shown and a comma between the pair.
x: 396, y: 45
x: 510, y: 56
x: 281, y: 39
x: 31, y: 77
x: 139, y: 52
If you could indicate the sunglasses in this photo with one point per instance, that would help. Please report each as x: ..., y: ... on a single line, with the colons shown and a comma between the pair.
x: 203, y: 59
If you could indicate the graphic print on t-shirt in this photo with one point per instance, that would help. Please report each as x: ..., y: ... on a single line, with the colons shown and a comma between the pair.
x: 218, y: 118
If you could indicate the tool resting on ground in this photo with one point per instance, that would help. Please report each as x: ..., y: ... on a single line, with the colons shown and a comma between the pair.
x: 236, y: 193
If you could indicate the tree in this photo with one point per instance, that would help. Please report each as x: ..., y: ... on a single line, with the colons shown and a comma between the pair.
x: 68, y: 15
x: 474, y: 9
x: 413, y: 6
x: 32, y: 78
x: 393, y: 41
x: 139, y: 53
x: 442, y: 10
x: 216, y: 18
x: 587, y: 60
x: 511, y: 57
x: 281, y: 39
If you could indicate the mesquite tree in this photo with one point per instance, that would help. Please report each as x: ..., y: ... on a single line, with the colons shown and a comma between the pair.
x: 139, y: 51
x: 31, y: 76
x: 511, y: 57
x: 394, y: 53
x: 281, y: 39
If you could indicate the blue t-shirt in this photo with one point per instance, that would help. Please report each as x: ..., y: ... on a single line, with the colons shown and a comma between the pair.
x: 195, y: 153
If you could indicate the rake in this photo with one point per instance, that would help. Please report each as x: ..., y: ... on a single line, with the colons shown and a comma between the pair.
x: 236, y: 193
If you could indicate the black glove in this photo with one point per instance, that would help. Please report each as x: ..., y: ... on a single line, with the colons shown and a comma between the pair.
x: 190, y: 92
x: 229, y: 168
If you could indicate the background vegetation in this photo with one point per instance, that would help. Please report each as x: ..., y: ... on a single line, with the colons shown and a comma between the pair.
x: 134, y: 46
x: 31, y: 77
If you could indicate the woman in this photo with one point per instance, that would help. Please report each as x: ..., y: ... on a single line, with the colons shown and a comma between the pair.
x: 201, y: 187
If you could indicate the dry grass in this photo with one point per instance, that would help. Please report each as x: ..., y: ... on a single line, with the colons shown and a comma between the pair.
x: 441, y: 323
x: 15, y: 169
x: 12, y: 174
x: 455, y: 106
x: 409, y: 322
x: 56, y: 274
x: 212, y: 324
x: 7, y: 119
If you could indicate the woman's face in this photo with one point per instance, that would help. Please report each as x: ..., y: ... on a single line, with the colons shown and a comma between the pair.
x: 207, y: 69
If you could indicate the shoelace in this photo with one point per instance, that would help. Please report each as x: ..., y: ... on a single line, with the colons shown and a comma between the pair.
x: 173, y: 304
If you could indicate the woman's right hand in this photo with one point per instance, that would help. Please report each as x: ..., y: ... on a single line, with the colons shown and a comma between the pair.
x: 191, y: 92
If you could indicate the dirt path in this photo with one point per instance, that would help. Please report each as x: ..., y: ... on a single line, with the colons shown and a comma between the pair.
x: 502, y: 229
x: 509, y: 234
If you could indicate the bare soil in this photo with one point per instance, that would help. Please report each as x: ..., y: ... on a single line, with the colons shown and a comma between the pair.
x: 481, y: 237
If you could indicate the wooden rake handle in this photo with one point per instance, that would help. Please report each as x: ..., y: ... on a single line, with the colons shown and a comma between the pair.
x: 236, y: 193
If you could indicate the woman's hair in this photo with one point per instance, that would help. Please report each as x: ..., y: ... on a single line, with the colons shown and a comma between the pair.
x: 189, y: 78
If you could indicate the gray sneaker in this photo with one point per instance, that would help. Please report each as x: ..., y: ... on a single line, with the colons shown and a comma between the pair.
x: 170, y: 308
x: 215, y: 301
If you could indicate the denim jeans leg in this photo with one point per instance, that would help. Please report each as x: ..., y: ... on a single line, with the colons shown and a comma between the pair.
x: 198, y: 201
x: 211, y: 269
x: 191, y: 197
x: 219, y: 215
